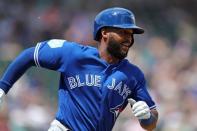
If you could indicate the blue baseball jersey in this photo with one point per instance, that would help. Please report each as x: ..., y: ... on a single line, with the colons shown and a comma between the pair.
x: 92, y: 92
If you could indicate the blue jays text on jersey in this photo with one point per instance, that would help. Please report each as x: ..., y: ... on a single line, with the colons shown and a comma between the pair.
x: 92, y: 92
x: 95, y: 81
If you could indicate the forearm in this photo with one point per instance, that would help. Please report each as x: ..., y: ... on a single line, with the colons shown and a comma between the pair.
x: 16, y: 69
x: 150, y: 123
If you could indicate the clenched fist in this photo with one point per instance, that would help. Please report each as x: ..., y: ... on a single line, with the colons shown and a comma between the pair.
x: 140, y: 109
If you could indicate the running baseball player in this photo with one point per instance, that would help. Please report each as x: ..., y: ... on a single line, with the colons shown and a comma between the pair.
x: 95, y: 84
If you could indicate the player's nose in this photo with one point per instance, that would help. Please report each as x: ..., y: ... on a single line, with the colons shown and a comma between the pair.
x: 129, y: 39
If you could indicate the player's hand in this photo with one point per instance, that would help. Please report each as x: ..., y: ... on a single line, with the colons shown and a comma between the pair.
x: 140, y: 109
x: 2, y: 94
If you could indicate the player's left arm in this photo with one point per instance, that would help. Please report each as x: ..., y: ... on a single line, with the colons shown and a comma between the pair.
x: 143, y: 106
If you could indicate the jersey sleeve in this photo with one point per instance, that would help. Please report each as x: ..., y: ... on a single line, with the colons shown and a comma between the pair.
x: 141, y: 92
x: 53, y: 54
x: 16, y: 69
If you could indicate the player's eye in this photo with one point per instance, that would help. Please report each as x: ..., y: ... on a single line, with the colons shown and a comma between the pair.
x: 125, y: 33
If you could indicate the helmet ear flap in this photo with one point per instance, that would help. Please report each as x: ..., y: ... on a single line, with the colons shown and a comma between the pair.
x: 99, y: 34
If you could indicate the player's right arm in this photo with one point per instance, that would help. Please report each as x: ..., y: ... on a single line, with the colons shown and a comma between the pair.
x: 48, y: 54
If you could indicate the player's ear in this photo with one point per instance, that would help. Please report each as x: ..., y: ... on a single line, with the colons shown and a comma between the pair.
x: 104, y: 33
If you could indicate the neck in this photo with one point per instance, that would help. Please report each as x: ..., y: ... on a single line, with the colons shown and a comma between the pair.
x: 106, y: 56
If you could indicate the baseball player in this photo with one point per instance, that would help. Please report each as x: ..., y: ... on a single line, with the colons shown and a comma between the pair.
x: 95, y: 84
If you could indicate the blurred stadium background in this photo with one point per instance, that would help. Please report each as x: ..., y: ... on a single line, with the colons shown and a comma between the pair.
x: 167, y: 53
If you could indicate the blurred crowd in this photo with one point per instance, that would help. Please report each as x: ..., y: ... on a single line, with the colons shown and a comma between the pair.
x: 167, y: 54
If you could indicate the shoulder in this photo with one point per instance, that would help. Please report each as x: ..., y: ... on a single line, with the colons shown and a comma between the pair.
x: 134, y: 70
x: 73, y: 47
x: 79, y: 48
x: 58, y: 43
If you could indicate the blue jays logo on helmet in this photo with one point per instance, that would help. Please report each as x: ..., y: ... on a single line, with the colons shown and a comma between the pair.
x: 115, y: 17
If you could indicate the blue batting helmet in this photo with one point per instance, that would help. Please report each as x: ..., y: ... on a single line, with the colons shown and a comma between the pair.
x: 115, y: 17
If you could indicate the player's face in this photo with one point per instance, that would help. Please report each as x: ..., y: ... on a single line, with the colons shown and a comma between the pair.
x: 119, y: 42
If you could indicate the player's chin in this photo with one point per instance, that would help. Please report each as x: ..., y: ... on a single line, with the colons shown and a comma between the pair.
x: 122, y: 55
x: 124, y: 51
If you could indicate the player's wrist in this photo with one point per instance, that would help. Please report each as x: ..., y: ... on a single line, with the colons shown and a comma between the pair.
x: 149, y: 120
x: 4, y: 86
x: 2, y: 93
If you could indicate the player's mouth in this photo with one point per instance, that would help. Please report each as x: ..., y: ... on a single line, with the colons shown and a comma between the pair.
x: 125, y: 46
